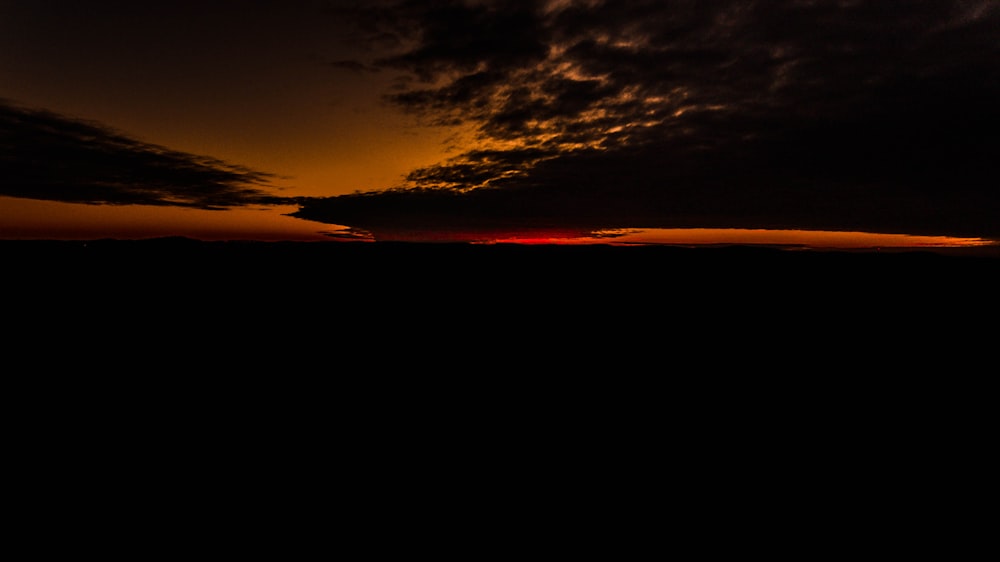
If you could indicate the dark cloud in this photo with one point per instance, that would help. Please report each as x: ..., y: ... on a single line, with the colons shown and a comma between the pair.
x: 462, y: 36
x: 833, y: 114
x: 52, y: 157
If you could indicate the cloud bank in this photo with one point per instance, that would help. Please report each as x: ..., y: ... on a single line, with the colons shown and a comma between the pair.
x: 52, y: 157
x: 813, y: 114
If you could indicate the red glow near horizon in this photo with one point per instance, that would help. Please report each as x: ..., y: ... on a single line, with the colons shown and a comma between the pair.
x: 27, y: 219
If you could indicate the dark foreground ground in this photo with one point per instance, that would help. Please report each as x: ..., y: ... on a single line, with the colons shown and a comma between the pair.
x: 117, y: 268
x: 399, y: 273
x: 751, y: 384
x: 120, y: 266
x: 405, y: 314
x: 453, y: 292
x: 416, y: 314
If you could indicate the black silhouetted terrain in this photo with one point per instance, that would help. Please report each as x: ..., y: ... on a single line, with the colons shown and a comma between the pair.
x: 391, y: 285
x: 330, y: 339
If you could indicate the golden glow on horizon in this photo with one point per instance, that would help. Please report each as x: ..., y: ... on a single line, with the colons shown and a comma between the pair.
x: 716, y: 236
x: 22, y: 219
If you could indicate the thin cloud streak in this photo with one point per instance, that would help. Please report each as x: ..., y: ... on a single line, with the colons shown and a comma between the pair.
x: 826, y: 115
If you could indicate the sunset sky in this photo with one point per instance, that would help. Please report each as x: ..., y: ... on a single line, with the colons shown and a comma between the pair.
x: 586, y: 120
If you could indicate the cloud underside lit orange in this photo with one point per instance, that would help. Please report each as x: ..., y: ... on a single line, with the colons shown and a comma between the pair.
x: 590, y: 116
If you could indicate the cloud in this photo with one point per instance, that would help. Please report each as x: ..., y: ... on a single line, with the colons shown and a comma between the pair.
x: 832, y: 114
x: 48, y: 156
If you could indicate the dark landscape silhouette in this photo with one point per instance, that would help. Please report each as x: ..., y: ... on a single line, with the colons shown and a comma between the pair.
x: 375, y: 278
x: 238, y: 270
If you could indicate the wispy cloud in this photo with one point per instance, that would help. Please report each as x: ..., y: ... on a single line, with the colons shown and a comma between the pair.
x: 829, y: 114
x: 53, y: 157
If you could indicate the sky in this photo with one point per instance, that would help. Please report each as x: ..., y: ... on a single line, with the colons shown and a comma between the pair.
x: 510, y: 120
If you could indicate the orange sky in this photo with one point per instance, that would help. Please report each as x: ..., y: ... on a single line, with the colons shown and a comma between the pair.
x: 247, y: 85
x: 250, y: 85
x: 293, y: 89
x: 28, y: 219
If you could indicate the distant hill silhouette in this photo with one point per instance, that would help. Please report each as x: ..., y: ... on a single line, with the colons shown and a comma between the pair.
x: 221, y: 315
x: 320, y: 269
